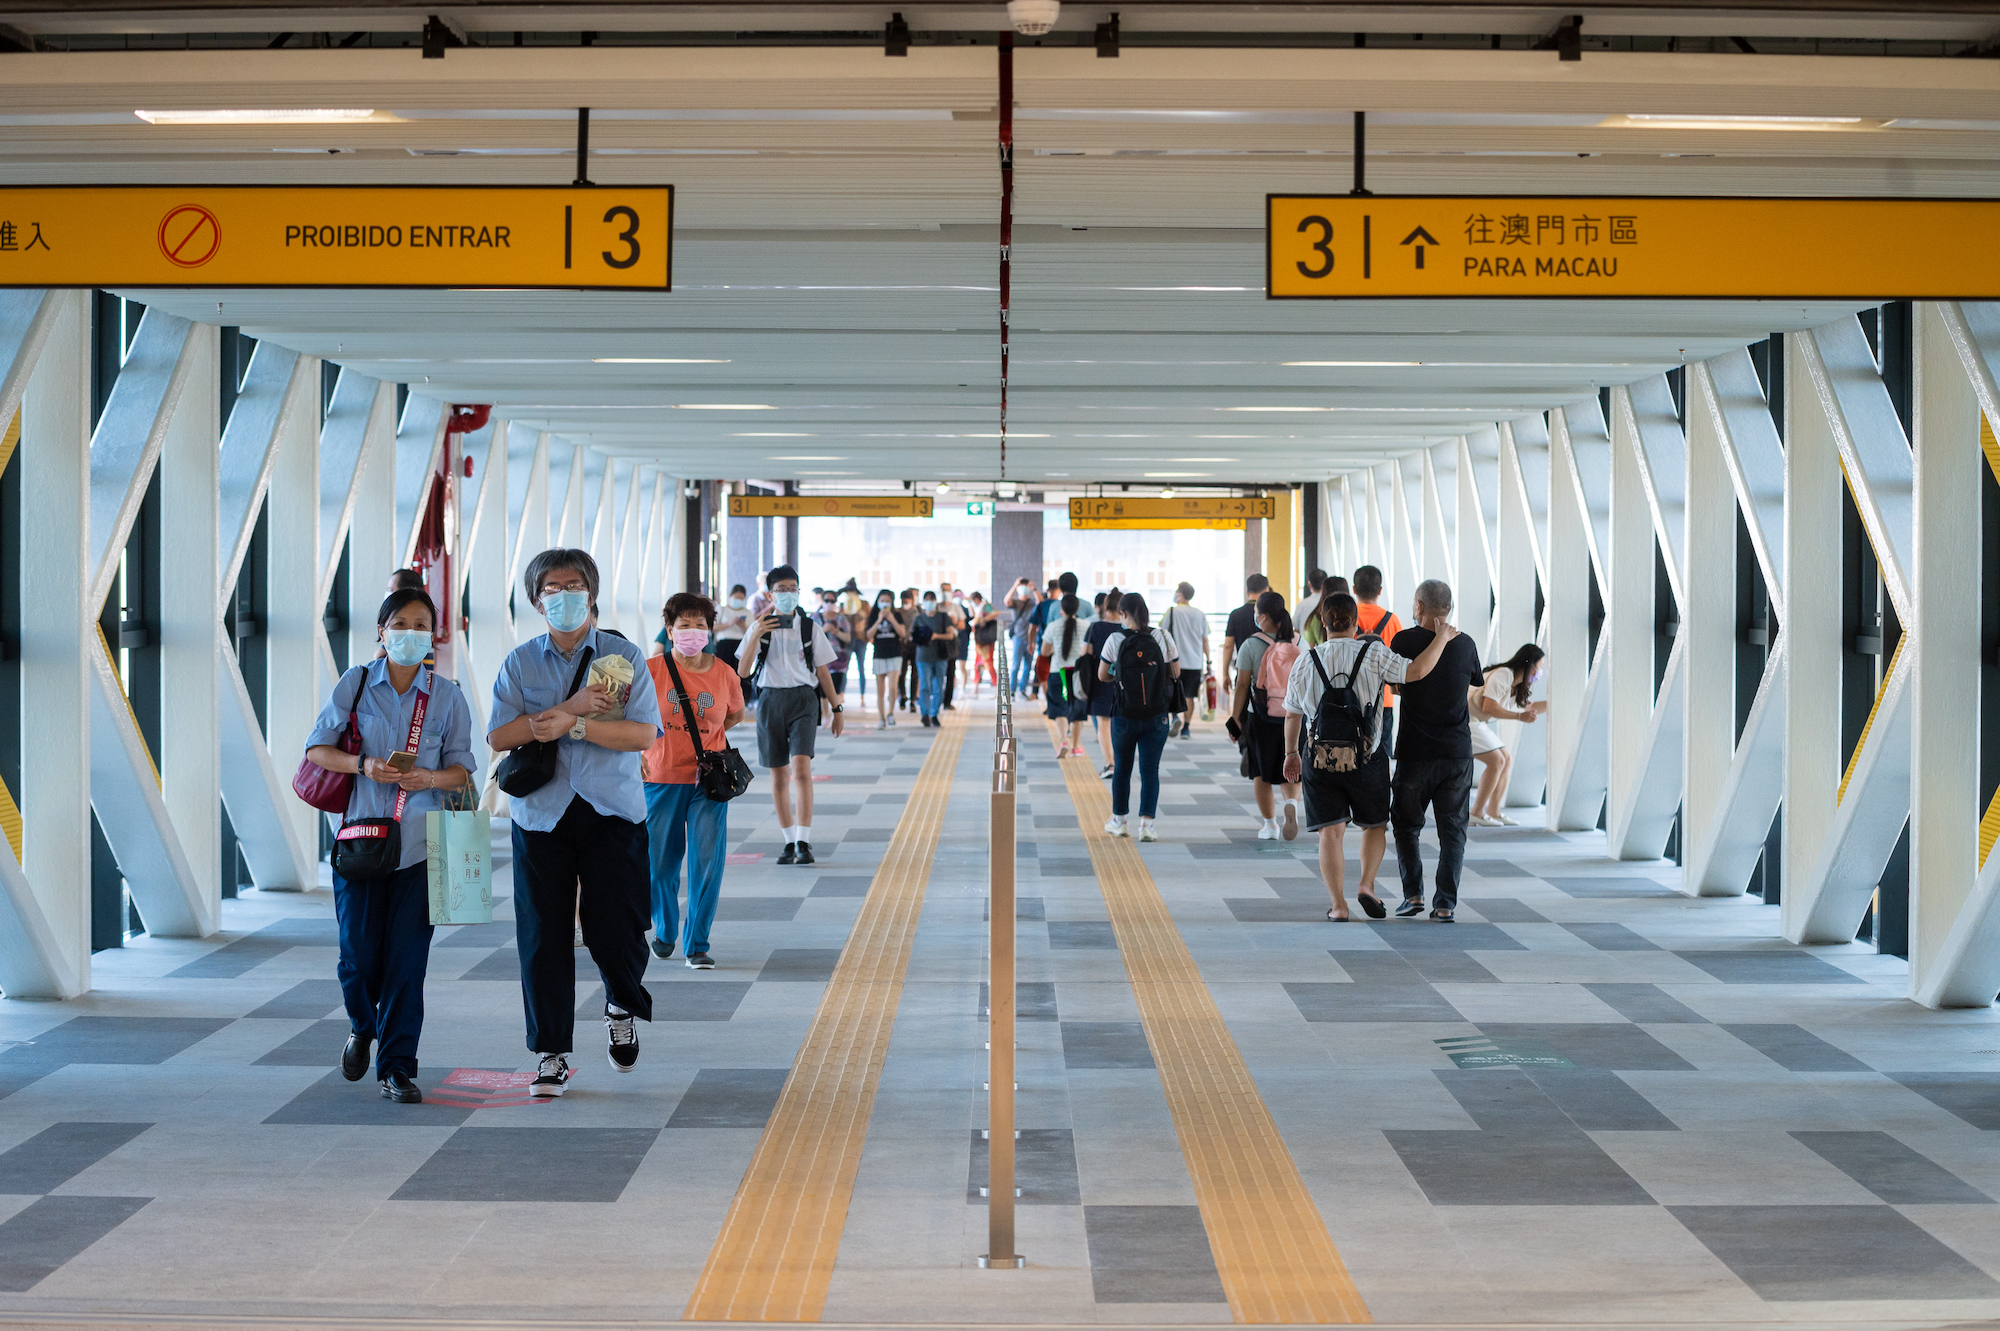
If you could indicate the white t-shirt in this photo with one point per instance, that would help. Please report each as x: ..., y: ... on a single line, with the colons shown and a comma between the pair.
x: 1052, y: 639
x: 731, y: 621
x: 785, y: 662
x: 1499, y: 688
x: 1117, y: 640
x: 1336, y: 656
x: 1188, y: 627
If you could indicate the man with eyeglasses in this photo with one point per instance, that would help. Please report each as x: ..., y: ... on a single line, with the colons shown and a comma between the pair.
x: 580, y: 838
x: 789, y: 655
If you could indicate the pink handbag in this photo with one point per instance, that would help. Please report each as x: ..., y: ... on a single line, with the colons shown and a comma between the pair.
x: 325, y: 790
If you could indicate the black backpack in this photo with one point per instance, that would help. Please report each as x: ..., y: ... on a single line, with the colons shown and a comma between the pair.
x: 1142, y: 683
x: 1344, y: 727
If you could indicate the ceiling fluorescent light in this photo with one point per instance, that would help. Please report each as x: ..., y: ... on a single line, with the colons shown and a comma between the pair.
x: 806, y: 457
x: 723, y: 406
x: 321, y: 116
x: 774, y: 434
x: 652, y: 360
x: 1747, y: 120
x: 1375, y: 364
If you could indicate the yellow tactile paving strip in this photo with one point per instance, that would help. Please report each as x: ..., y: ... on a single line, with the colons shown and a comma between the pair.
x: 773, y: 1260
x: 1272, y: 1249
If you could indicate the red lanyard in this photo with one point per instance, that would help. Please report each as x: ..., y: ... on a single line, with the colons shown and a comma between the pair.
x: 416, y: 738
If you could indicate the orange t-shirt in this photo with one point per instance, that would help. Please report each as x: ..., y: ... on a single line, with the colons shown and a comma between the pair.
x: 716, y: 693
x: 1384, y: 625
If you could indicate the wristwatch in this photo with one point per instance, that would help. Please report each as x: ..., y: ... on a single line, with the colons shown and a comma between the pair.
x: 576, y: 731
x: 840, y: 707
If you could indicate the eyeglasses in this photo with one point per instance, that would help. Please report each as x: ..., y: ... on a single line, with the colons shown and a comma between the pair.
x: 578, y: 585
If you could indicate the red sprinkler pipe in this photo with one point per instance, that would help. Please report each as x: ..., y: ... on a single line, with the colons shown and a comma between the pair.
x: 1006, y: 223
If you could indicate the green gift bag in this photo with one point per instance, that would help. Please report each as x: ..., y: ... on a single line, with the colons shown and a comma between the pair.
x: 458, y: 858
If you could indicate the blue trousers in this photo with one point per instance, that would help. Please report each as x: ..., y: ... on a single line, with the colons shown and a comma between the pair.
x: 385, y: 950
x: 684, y: 824
x: 930, y: 686
x: 1024, y: 664
x: 1144, y: 741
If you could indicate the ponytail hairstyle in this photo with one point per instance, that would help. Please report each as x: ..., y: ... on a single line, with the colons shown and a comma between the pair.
x: 1522, y: 663
x: 1070, y: 605
x: 1271, y: 605
x: 1336, y: 612
x: 1133, y: 606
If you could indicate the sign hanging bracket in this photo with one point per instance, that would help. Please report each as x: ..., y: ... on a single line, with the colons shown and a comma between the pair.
x: 582, y: 146
x: 1360, y: 155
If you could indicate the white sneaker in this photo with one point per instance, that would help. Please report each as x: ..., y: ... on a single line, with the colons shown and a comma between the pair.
x: 1290, y: 825
x: 1146, y: 830
x: 1481, y: 820
x: 1505, y: 821
x: 882, y: 723
x: 1269, y: 830
x: 1115, y: 826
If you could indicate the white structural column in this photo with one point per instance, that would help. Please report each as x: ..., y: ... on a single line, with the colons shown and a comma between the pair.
x: 1578, y: 719
x: 1353, y: 523
x: 127, y: 788
x: 1954, y: 946
x: 1441, y: 513
x: 1872, y: 799
x: 528, y: 455
x: 372, y: 552
x: 1645, y: 787
x: 1736, y: 466
x: 298, y: 680
x: 1404, y: 546
x: 1478, y: 517
x: 191, y: 624
x: 419, y: 435
x: 55, y: 648
x: 1524, y: 463
x: 1812, y: 634
x: 666, y: 567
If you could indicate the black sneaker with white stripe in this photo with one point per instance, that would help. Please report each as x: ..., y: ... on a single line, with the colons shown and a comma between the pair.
x: 552, y: 1078
x: 624, y: 1033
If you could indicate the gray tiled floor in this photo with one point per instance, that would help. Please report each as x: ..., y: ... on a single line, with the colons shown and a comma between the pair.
x: 1744, y: 1132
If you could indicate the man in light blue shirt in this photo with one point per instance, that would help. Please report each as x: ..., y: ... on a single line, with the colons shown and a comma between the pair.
x: 586, y: 827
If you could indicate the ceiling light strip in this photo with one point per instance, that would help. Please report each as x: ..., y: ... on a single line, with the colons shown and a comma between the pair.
x: 1006, y: 221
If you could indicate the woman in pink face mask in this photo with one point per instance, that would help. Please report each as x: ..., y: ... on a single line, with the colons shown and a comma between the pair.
x: 681, y: 822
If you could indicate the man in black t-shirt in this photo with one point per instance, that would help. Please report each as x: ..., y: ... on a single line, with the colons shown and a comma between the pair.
x: 1433, y: 754
x: 1242, y: 624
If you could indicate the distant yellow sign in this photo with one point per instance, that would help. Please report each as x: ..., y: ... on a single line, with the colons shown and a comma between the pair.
x: 1402, y: 246
x: 830, y: 506
x: 1231, y: 507
x: 606, y: 236
x: 1156, y: 524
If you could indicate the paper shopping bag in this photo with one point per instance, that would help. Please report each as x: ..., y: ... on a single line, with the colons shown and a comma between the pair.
x: 458, y: 855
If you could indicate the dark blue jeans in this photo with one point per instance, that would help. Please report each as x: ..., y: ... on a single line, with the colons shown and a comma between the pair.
x: 1443, y: 786
x: 385, y: 950
x: 1144, y: 740
x: 684, y: 825
x: 597, y: 863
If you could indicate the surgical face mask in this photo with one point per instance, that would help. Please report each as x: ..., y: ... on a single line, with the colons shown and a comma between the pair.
x: 787, y: 602
x: 930, y: 604
x: 690, y: 642
x: 406, y: 647
x: 735, y: 603
x: 884, y: 603
x: 566, y: 611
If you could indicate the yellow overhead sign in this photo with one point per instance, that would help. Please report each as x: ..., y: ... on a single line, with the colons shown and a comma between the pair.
x: 830, y: 506
x: 1400, y: 246
x: 1156, y: 524
x: 605, y: 236
x: 1233, y: 508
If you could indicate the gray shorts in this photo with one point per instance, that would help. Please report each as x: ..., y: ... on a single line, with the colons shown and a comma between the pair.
x: 787, y: 721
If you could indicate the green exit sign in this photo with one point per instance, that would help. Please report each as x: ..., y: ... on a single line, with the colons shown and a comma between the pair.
x: 981, y: 508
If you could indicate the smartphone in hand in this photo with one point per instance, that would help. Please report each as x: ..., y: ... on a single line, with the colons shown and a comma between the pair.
x: 772, y: 623
x: 402, y: 760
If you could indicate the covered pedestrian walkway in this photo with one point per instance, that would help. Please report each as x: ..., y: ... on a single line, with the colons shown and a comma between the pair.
x: 1712, y: 1041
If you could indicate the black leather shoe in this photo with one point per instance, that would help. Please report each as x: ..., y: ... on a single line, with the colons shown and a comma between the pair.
x: 397, y: 1086
x: 805, y: 853
x: 354, y: 1058
x: 1411, y: 906
x: 663, y: 950
x: 791, y: 855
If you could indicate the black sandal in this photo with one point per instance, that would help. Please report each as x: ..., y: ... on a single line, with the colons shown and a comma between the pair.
x: 1441, y: 915
x: 1337, y: 919
x: 1372, y: 905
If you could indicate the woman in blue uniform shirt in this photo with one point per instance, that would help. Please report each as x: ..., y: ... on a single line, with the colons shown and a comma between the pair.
x: 385, y: 924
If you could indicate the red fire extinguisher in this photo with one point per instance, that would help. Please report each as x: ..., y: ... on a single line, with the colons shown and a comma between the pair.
x: 1208, y: 683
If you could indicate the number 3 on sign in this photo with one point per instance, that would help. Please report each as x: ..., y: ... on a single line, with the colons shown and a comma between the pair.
x: 629, y: 234
x: 1324, y: 245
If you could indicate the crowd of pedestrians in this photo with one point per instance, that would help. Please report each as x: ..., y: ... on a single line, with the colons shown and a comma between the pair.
x: 617, y: 764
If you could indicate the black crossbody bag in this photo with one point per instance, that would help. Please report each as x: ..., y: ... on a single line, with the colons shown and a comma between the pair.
x: 721, y: 773
x: 532, y: 766
x: 367, y: 849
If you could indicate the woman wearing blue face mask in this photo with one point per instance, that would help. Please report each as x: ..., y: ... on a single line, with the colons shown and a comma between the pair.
x: 385, y: 923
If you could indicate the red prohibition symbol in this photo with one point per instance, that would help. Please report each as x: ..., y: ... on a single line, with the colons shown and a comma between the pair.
x: 190, y: 236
